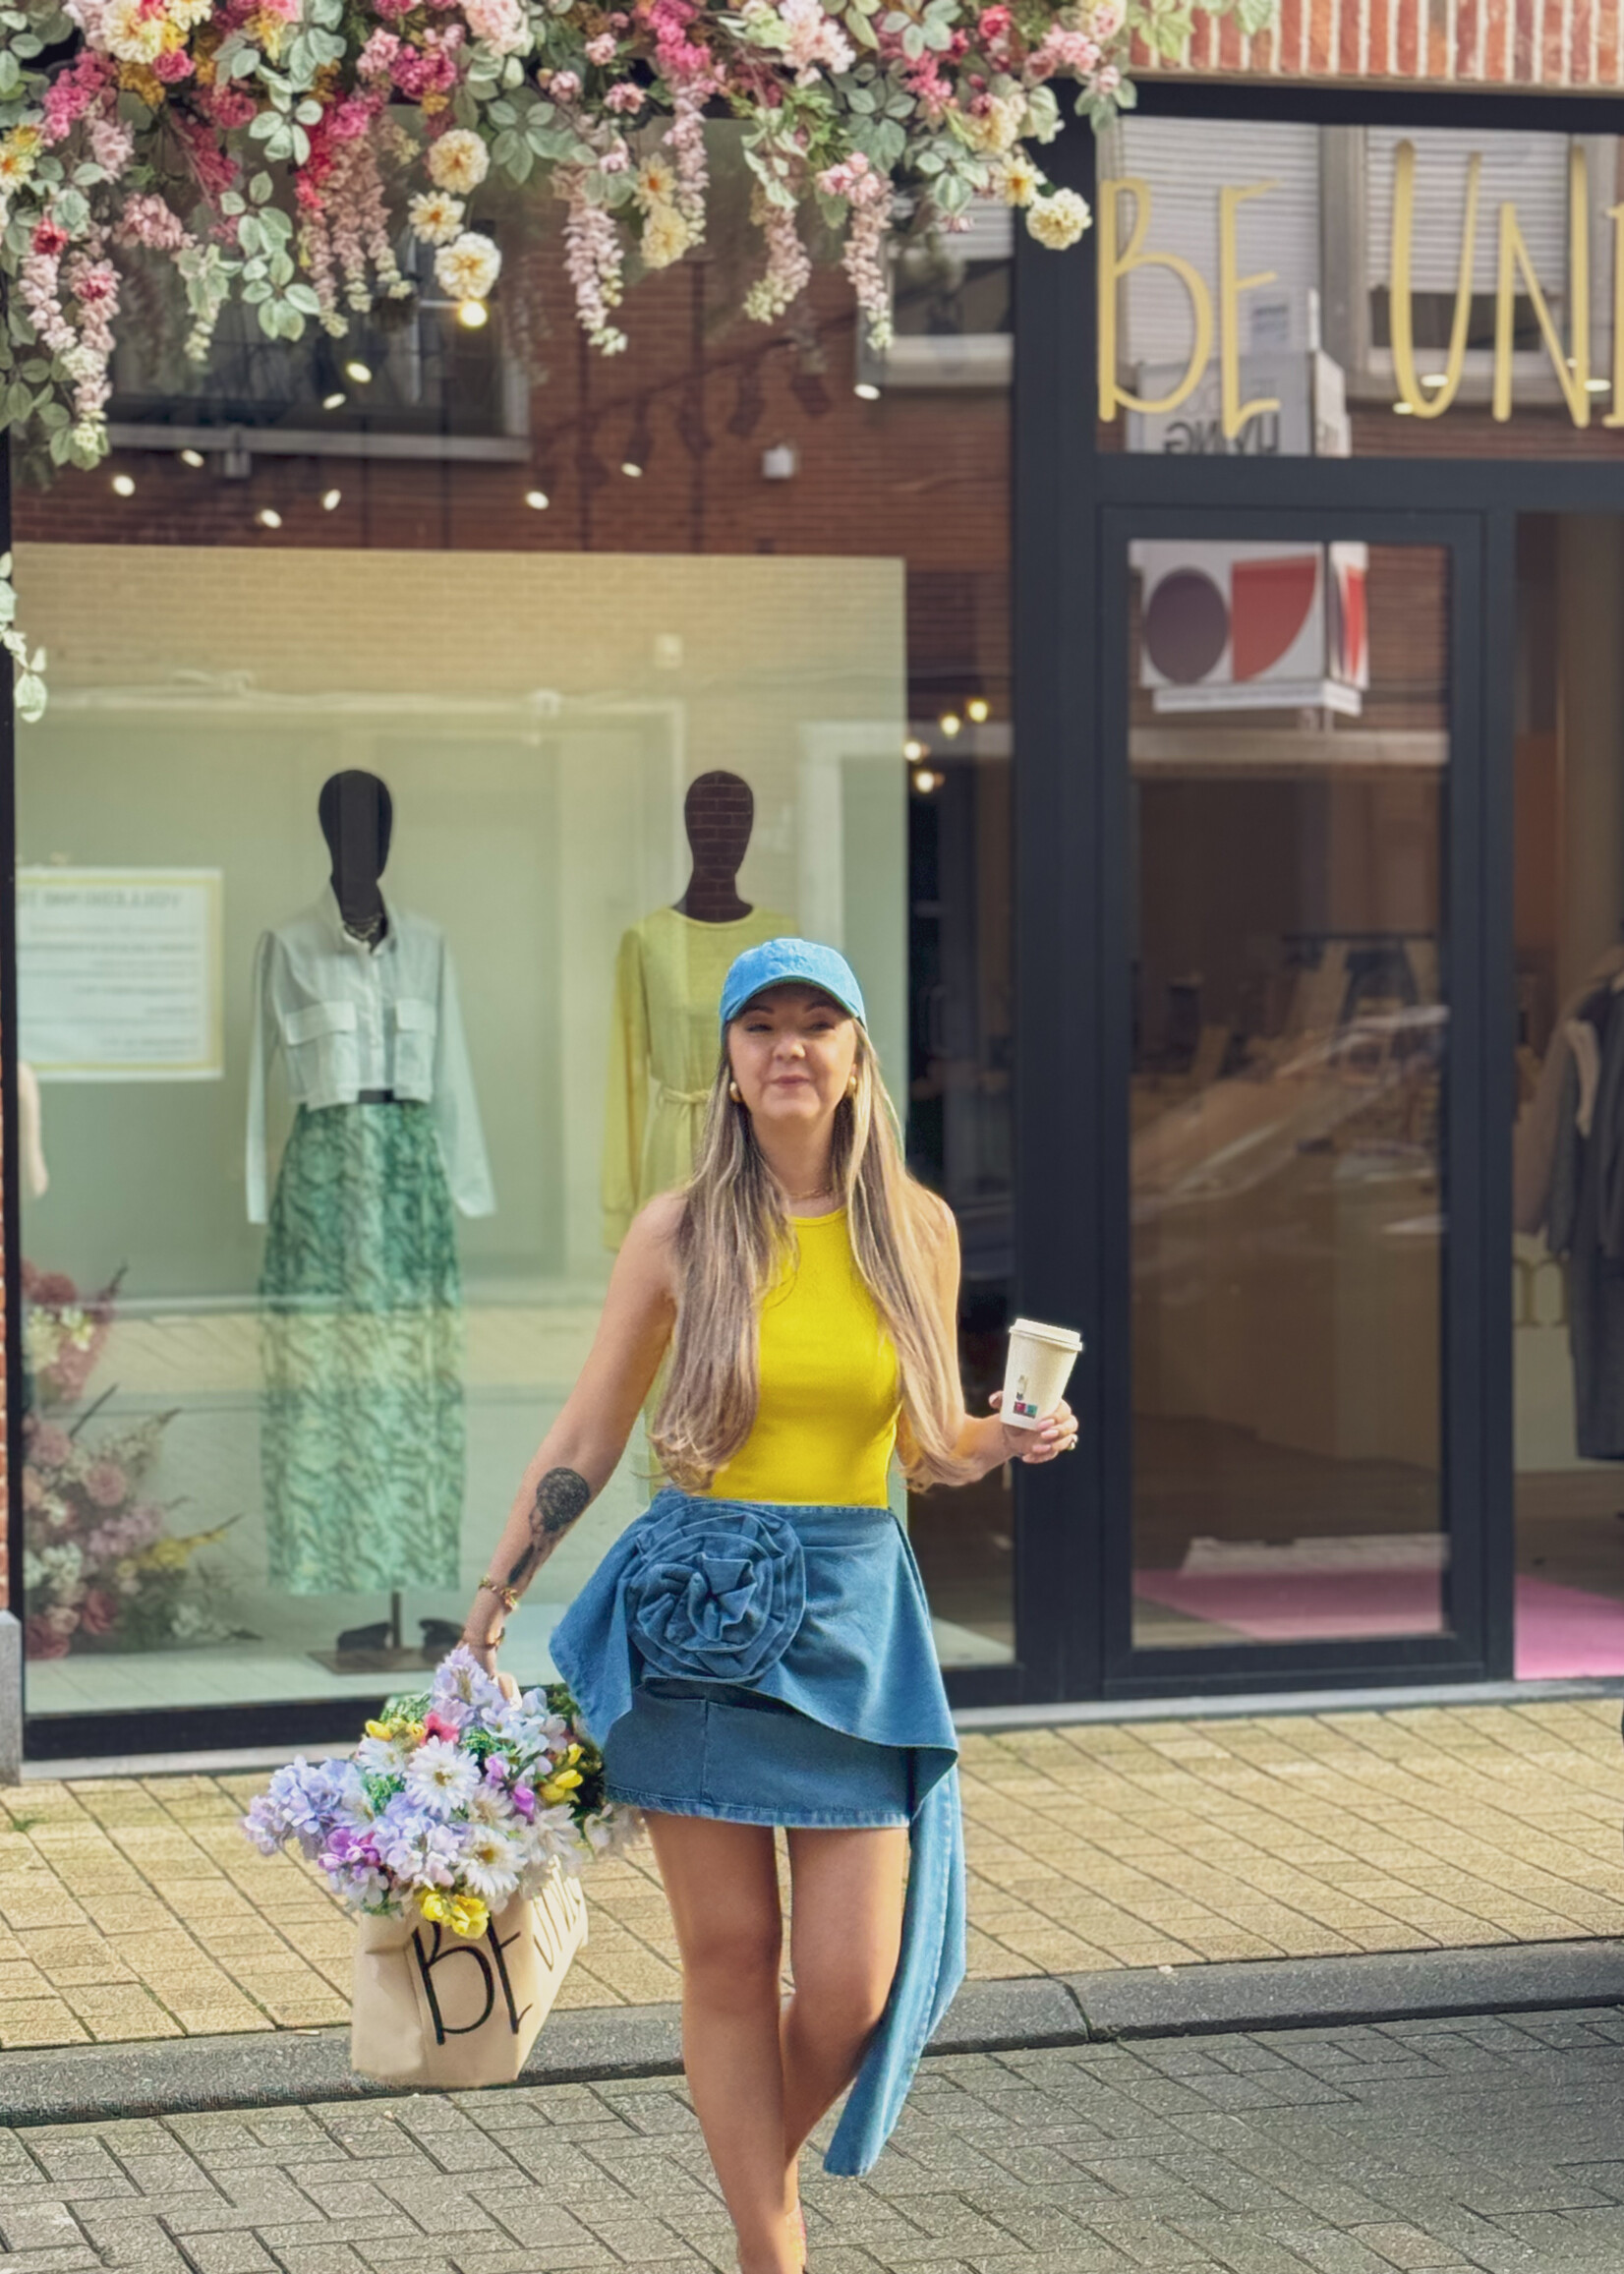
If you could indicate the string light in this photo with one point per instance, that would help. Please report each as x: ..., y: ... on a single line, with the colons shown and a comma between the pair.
x: 335, y: 401
x: 361, y: 373
x: 866, y: 391
x: 978, y: 709
x: 913, y: 751
x: 331, y: 500
x: 268, y: 517
x: 192, y: 457
x: 950, y: 724
x: 538, y: 500
x: 927, y: 781
x: 124, y: 485
x: 473, y: 313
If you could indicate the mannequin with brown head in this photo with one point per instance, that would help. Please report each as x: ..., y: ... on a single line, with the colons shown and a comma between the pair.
x: 719, y: 814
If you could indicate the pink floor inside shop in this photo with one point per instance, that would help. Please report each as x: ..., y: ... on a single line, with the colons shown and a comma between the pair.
x: 1561, y: 1630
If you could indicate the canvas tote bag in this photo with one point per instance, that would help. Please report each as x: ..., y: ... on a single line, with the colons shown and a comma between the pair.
x: 438, y: 2008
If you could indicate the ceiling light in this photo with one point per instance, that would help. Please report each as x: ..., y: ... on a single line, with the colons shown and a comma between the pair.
x: 538, y: 500
x: 335, y: 401
x: 913, y: 751
x: 192, y: 457
x: 361, y: 373
x: 866, y: 391
x: 268, y: 517
x: 331, y: 500
x: 124, y: 485
x: 978, y: 708
x: 950, y: 724
x: 474, y: 314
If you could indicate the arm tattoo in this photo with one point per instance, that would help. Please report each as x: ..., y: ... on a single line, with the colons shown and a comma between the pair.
x: 560, y: 1497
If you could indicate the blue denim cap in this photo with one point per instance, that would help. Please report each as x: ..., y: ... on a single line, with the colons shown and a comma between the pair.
x: 790, y: 963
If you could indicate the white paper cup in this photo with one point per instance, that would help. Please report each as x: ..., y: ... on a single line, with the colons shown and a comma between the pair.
x: 1040, y: 1363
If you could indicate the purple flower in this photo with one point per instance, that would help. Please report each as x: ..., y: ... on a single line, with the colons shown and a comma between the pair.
x: 414, y: 1848
x: 524, y: 1801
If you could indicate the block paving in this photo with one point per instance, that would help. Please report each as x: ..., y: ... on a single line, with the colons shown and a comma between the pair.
x: 1490, y: 2144
x: 133, y: 1908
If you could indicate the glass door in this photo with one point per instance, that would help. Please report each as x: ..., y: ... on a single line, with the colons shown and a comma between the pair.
x: 1294, y: 1033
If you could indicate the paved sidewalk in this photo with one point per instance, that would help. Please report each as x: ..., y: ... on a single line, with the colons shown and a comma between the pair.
x: 1486, y: 2144
x: 133, y: 1909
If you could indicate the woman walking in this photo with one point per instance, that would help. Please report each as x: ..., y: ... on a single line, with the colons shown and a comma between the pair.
x: 755, y: 1650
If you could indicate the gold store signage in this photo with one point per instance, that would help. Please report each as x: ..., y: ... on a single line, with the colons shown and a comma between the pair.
x: 1570, y: 361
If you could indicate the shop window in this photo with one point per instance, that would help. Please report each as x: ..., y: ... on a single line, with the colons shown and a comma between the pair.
x: 1251, y: 269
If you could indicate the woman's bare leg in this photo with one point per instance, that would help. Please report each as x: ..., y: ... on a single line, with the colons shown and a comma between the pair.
x: 722, y: 1883
x: 845, y: 1930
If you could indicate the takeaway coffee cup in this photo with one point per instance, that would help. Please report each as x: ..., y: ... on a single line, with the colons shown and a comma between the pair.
x: 1040, y: 1363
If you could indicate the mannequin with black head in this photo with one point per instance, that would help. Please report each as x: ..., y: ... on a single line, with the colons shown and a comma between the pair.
x: 356, y: 816
x: 363, y: 1442
x: 719, y: 813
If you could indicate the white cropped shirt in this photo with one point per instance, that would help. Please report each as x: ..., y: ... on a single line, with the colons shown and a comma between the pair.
x: 348, y: 1018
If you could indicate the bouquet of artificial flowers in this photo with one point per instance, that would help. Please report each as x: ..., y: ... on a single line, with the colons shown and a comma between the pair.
x: 456, y: 1830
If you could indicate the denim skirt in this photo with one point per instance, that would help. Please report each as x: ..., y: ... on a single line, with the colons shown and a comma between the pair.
x: 717, y: 1749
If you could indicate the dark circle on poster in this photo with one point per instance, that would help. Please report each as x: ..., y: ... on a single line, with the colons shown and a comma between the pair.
x: 1185, y: 626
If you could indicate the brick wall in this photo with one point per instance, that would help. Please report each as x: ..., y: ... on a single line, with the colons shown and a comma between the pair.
x: 1506, y: 44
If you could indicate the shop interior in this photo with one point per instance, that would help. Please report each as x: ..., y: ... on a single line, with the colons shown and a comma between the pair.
x: 1288, y: 747
x: 1291, y: 1037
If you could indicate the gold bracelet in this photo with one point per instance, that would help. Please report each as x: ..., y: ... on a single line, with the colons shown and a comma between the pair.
x: 508, y: 1596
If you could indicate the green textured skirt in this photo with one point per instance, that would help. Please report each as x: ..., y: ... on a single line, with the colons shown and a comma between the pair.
x: 362, y: 1439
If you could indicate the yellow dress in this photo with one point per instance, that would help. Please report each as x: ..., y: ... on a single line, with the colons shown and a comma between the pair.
x: 826, y: 1417
x: 663, y: 1050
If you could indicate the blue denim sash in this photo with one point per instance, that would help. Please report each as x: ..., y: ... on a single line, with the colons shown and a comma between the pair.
x: 822, y: 1608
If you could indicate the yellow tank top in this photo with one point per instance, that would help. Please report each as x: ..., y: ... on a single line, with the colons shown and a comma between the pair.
x: 826, y: 1419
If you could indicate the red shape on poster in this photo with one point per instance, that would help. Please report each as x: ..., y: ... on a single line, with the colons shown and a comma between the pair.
x: 1269, y: 604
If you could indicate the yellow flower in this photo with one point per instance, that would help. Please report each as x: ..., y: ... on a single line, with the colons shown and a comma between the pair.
x: 464, y: 1914
x: 560, y: 1787
x: 378, y: 1729
x: 26, y: 140
x: 165, y: 1555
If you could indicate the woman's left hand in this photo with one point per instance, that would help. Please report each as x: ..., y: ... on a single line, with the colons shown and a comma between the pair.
x: 1056, y: 1432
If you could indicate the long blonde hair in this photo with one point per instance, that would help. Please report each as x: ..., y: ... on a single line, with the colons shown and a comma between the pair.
x: 733, y: 1240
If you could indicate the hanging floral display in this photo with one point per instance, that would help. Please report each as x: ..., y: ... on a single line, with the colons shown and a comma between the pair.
x: 288, y: 152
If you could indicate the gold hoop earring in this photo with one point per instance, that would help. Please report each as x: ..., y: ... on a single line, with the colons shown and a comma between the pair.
x: 735, y: 1093
x: 852, y: 1086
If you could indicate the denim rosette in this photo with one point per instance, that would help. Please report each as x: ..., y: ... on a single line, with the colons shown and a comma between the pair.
x: 716, y: 1592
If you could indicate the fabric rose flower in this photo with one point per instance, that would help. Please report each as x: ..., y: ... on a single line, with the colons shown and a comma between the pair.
x: 468, y: 268
x: 459, y: 162
x: 436, y: 217
x: 717, y: 1592
x: 1058, y: 221
x: 502, y: 24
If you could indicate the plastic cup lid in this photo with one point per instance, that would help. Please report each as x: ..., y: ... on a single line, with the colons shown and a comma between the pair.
x: 1063, y: 1337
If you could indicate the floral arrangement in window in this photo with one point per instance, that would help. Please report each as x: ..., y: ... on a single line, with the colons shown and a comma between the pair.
x: 100, y: 1570
x: 285, y: 151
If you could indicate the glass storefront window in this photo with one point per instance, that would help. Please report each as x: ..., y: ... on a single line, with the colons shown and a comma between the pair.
x: 713, y: 621
x: 1285, y: 289
x: 1568, y: 906
x: 1288, y: 751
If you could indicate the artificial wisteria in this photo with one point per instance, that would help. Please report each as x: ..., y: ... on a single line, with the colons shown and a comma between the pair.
x: 453, y: 1805
x: 288, y: 152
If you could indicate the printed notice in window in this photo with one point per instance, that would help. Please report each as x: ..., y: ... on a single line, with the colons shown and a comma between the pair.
x: 118, y: 973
